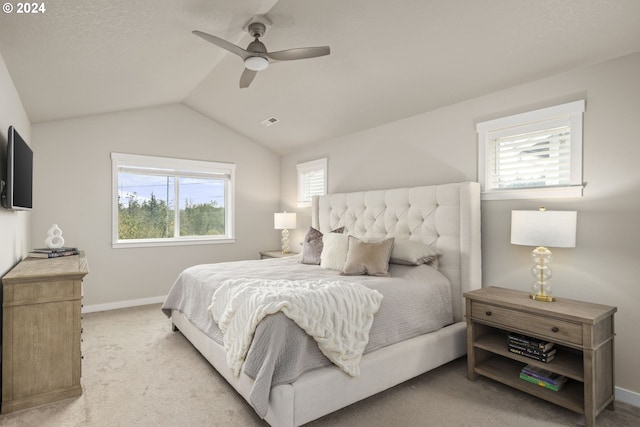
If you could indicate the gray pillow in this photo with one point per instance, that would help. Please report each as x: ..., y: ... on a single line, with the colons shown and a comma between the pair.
x: 412, y: 252
x: 368, y: 258
x: 312, y: 246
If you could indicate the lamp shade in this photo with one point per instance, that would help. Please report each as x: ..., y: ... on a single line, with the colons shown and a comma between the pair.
x: 284, y: 220
x: 555, y: 229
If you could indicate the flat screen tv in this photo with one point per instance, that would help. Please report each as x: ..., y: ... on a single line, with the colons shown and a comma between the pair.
x: 18, y: 194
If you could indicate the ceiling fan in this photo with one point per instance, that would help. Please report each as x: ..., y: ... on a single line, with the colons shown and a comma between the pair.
x: 255, y: 56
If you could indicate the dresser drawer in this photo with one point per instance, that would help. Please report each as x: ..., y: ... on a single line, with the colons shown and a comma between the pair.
x: 543, y: 326
x: 38, y: 292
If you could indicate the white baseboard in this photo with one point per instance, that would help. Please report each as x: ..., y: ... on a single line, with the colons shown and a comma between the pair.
x: 122, y: 304
x: 627, y: 396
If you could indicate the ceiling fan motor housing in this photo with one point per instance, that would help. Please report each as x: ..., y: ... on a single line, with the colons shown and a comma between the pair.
x: 257, y: 29
x: 257, y: 46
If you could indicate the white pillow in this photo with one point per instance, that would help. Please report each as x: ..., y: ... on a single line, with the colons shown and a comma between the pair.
x: 335, y: 247
x: 412, y: 252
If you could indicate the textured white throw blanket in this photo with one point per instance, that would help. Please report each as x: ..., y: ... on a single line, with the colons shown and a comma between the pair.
x: 338, y: 315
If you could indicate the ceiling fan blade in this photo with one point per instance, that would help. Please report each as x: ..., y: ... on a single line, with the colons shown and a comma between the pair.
x: 247, y: 77
x: 223, y: 44
x: 299, y: 53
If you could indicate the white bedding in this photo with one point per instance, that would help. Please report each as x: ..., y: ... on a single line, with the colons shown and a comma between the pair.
x: 337, y: 315
x: 417, y: 300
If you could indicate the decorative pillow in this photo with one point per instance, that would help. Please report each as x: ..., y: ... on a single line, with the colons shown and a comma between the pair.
x: 411, y: 252
x: 334, y: 251
x: 368, y: 258
x: 312, y: 246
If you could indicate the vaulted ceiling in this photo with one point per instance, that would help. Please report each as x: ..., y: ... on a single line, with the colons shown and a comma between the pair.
x: 389, y: 59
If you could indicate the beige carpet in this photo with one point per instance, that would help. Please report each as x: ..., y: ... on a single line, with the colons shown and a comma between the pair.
x: 137, y: 372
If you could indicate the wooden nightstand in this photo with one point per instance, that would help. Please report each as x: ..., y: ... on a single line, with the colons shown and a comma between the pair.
x: 583, y: 334
x: 275, y: 254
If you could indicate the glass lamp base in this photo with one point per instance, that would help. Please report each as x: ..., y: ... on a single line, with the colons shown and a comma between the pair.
x: 285, y: 241
x: 545, y: 298
x: 541, y: 271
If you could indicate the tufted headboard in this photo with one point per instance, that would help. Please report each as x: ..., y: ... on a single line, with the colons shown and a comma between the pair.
x: 446, y: 216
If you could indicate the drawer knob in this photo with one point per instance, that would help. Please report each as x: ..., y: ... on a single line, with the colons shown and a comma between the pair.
x: 488, y: 313
x: 555, y: 329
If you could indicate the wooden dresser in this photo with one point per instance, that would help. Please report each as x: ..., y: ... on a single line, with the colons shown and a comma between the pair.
x: 582, y: 332
x: 41, y: 331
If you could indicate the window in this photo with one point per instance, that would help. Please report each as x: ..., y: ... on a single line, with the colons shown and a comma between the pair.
x: 312, y: 180
x: 537, y: 154
x: 160, y: 201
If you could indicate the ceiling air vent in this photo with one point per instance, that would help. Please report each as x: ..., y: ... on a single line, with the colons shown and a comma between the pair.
x: 270, y: 121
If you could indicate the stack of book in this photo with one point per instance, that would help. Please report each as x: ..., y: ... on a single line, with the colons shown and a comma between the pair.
x: 531, y: 347
x: 53, y: 253
x: 543, y: 378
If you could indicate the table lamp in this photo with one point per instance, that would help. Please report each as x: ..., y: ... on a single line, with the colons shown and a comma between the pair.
x: 543, y: 228
x: 284, y: 221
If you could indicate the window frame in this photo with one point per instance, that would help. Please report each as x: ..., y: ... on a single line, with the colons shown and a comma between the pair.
x: 570, y: 113
x: 308, y: 167
x: 166, y: 166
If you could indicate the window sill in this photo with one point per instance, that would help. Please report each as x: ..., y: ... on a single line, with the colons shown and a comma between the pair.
x: 170, y: 242
x: 534, y: 193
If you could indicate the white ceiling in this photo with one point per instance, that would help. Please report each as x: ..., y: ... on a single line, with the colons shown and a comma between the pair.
x: 389, y: 59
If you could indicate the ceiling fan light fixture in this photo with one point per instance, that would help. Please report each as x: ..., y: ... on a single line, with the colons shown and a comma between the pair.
x: 256, y: 63
x: 256, y: 57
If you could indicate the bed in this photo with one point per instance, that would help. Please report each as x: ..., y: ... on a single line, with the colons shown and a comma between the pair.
x: 445, y: 217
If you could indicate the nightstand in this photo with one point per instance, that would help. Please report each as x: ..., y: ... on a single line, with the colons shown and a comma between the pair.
x: 583, y: 334
x: 275, y: 254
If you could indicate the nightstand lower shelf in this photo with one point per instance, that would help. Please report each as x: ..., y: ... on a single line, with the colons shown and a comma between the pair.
x: 507, y: 371
x: 568, y: 362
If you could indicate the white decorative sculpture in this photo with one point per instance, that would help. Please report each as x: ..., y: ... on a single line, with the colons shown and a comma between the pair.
x: 54, y: 237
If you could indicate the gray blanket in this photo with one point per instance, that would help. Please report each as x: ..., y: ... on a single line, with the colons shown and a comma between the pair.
x: 417, y: 300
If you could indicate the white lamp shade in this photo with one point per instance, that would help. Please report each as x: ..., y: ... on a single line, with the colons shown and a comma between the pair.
x: 284, y: 220
x: 555, y: 229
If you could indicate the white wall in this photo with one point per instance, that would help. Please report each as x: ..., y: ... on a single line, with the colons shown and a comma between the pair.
x: 14, y: 225
x: 441, y: 146
x: 72, y: 188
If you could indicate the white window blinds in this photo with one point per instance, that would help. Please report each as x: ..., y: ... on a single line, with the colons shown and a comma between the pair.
x: 534, y: 159
x: 532, y: 155
x: 312, y: 180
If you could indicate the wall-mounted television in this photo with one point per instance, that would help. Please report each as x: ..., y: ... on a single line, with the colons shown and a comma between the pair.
x: 18, y: 192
